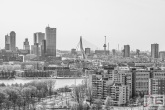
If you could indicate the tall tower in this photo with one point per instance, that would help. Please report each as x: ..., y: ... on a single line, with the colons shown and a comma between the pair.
x: 43, y: 48
x: 12, y: 41
x: 155, y: 50
x: 26, y: 45
x: 39, y: 37
x: 7, y: 42
x: 105, y: 46
x: 50, y: 41
x: 126, y: 51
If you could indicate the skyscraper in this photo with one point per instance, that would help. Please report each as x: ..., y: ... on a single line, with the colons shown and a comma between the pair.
x: 50, y: 41
x: 26, y: 45
x: 155, y: 50
x: 7, y: 42
x: 126, y: 51
x: 43, y: 48
x: 12, y: 41
x: 38, y: 37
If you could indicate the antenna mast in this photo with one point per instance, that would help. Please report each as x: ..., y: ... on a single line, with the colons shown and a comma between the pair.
x: 105, y: 46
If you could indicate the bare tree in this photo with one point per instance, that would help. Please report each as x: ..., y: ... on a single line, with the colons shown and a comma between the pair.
x: 108, y: 102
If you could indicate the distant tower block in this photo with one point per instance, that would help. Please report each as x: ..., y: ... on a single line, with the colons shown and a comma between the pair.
x: 87, y: 51
x: 50, y: 41
x: 113, y: 52
x: 12, y: 41
x: 137, y: 52
x: 162, y: 55
x: 154, y: 50
x: 43, y: 48
x: 73, y: 51
x: 126, y: 51
x: 7, y: 42
x: 105, y: 46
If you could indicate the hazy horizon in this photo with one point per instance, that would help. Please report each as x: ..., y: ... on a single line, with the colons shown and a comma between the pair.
x: 138, y: 23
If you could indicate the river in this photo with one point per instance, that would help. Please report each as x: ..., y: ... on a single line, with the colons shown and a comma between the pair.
x: 59, y: 82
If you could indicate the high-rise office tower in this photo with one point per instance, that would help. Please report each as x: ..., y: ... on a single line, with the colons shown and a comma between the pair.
x: 12, y: 41
x: 7, y: 42
x: 43, y: 48
x: 126, y: 51
x: 155, y: 50
x: 38, y: 37
x: 50, y: 41
x: 26, y: 45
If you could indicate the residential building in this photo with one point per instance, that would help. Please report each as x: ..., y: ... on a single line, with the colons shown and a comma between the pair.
x: 140, y: 82
x: 154, y: 101
x: 119, y: 93
x: 157, y: 86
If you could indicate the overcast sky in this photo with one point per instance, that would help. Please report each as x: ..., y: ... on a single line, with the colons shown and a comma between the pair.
x: 138, y: 23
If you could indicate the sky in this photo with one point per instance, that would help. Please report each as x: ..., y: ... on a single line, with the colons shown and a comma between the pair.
x: 138, y: 23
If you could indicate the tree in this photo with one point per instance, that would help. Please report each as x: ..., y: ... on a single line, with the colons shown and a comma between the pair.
x: 13, y: 95
x: 108, y: 102
x: 3, y: 97
x: 50, y: 86
x: 26, y: 94
x: 89, y: 95
x: 98, y: 104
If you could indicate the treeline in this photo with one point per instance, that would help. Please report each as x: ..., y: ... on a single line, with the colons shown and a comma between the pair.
x: 30, y: 73
x: 7, y: 74
x: 25, y: 97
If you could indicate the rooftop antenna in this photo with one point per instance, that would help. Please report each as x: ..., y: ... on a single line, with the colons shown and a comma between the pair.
x: 105, y: 46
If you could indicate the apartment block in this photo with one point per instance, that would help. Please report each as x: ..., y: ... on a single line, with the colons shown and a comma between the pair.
x: 157, y: 86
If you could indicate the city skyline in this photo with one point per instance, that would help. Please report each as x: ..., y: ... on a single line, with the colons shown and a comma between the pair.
x: 136, y: 23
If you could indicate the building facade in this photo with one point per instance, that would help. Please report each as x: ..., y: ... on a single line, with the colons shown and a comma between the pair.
x: 162, y: 55
x: 157, y: 86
